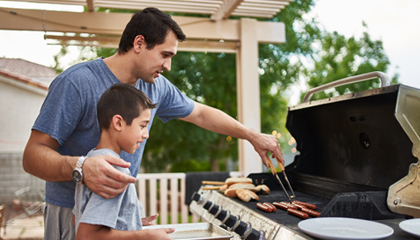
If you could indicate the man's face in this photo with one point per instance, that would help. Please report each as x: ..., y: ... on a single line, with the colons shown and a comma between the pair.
x: 154, y: 61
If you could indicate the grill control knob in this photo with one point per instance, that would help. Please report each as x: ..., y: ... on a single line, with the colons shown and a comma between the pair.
x: 255, y: 235
x: 208, y: 205
x: 222, y: 215
x: 231, y: 221
x: 242, y: 228
x: 197, y: 197
x: 214, y: 209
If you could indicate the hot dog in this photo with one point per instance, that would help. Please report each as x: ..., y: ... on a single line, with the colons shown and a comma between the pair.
x: 280, y: 205
x: 297, y: 213
x: 264, y: 207
x: 311, y: 212
x: 290, y: 205
x: 273, y: 208
x: 300, y: 207
x: 308, y: 205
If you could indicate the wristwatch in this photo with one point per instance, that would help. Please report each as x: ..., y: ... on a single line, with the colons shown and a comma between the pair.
x: 77, y: 172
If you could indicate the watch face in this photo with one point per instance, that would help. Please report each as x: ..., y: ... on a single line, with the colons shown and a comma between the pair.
x: 77, y: 176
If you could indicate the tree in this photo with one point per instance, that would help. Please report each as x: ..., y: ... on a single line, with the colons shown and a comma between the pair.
x: 340, y: 57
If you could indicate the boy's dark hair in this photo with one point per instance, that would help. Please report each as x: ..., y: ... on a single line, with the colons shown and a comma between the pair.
x: 122, y: 99
x: 153, y: 25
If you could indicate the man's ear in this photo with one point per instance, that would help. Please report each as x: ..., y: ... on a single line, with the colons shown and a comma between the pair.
x: 117, y: 122
x: 139, y: 43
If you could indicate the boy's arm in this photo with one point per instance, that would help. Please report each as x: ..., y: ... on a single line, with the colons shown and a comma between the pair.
x: 88, y: 232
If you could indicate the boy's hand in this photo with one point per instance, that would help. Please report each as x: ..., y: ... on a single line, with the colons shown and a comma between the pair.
x: 147, y: 221
x: 162, y: 233
x: 102, y: 178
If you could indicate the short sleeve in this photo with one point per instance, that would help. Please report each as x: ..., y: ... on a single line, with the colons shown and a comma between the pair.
x: 174, y: 104
x: 61, y: 111
x: 101, y: 211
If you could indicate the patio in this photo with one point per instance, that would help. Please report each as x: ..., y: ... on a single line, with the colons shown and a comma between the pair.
x: 23, y: 226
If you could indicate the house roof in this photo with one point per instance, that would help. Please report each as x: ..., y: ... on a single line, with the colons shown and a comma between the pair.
x: 23, y: 69
x: 27, y: 72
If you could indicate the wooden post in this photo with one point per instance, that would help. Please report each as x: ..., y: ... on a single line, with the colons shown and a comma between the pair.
x: 248, y: 93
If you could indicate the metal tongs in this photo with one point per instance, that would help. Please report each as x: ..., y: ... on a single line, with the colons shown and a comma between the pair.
x: 274, y: 172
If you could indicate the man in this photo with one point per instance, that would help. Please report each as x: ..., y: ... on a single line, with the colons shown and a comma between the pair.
x: 66, y: 127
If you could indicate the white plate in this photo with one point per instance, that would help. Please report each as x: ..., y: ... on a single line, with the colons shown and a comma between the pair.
x: 411, y: 226
x: 344, y: 228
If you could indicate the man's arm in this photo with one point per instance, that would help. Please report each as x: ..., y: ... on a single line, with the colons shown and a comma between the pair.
x: 41, y: 159
x: 217, y: 121
x: 89, y: 231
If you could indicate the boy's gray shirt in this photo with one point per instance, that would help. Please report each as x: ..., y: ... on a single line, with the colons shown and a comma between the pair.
x: 120, y: 213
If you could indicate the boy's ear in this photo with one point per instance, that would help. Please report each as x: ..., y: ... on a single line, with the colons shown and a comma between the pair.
x: 117, y: 122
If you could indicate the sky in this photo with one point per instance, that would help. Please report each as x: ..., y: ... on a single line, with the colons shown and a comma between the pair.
x: 396, y: 23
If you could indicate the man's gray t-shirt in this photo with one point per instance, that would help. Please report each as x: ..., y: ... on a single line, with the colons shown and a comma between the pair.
x: 120, y: 213
x: 68, y: 115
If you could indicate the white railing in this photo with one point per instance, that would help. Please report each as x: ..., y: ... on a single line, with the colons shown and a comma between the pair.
x: 169, y: 200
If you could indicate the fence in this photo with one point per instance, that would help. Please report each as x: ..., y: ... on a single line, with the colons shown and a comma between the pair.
x: 164, y: 193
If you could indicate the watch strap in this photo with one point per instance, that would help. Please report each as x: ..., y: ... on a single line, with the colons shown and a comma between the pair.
x: 78, y: 172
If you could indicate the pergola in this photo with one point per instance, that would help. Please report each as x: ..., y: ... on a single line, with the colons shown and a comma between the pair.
x: 216, y: 33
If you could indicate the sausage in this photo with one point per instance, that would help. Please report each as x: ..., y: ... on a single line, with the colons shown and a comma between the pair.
x: 290, y: 205
x: 297, y: 213
x: 308, y: 205
x: 311, y: 212
x: 264, y: 207
x: 273, y: 208
x: 280, y: 205
x: 300, y: 207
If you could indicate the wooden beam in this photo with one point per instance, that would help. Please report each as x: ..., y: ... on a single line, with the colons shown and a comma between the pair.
x: 113, y: 41
x: 226, y: 9
x: 114, y: 24
x: 90, y: 5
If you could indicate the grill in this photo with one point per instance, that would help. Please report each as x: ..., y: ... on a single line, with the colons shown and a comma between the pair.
x: 358, y: 158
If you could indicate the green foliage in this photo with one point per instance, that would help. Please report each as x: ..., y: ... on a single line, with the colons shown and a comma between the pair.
x: 339, y: 57
x: 207, y: 78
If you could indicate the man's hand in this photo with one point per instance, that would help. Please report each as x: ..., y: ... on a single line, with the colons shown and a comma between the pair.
x: 102, y: 178
x: 265, y: 143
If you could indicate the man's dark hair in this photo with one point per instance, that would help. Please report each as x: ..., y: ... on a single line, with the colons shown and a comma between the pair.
x: 153, y: 24
x: 122, y: 99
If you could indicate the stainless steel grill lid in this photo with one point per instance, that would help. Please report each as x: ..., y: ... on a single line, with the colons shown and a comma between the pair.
x: 368, y: 139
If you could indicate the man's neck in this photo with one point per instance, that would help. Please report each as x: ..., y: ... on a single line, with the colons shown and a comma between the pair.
x: 120, y: 66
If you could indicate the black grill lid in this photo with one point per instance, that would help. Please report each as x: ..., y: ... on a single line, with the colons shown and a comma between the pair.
x: 354, y: 138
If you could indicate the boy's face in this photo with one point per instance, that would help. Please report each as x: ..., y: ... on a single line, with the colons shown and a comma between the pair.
x: 132, y: 136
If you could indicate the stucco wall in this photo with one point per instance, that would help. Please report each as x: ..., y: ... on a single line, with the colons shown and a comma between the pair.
x: 14, y: 178
x: 19, y: 108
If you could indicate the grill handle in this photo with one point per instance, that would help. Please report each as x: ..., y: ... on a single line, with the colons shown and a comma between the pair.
x: 385, y: 81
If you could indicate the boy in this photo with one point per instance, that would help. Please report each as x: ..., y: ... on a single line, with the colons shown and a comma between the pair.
x: 123, y: 114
